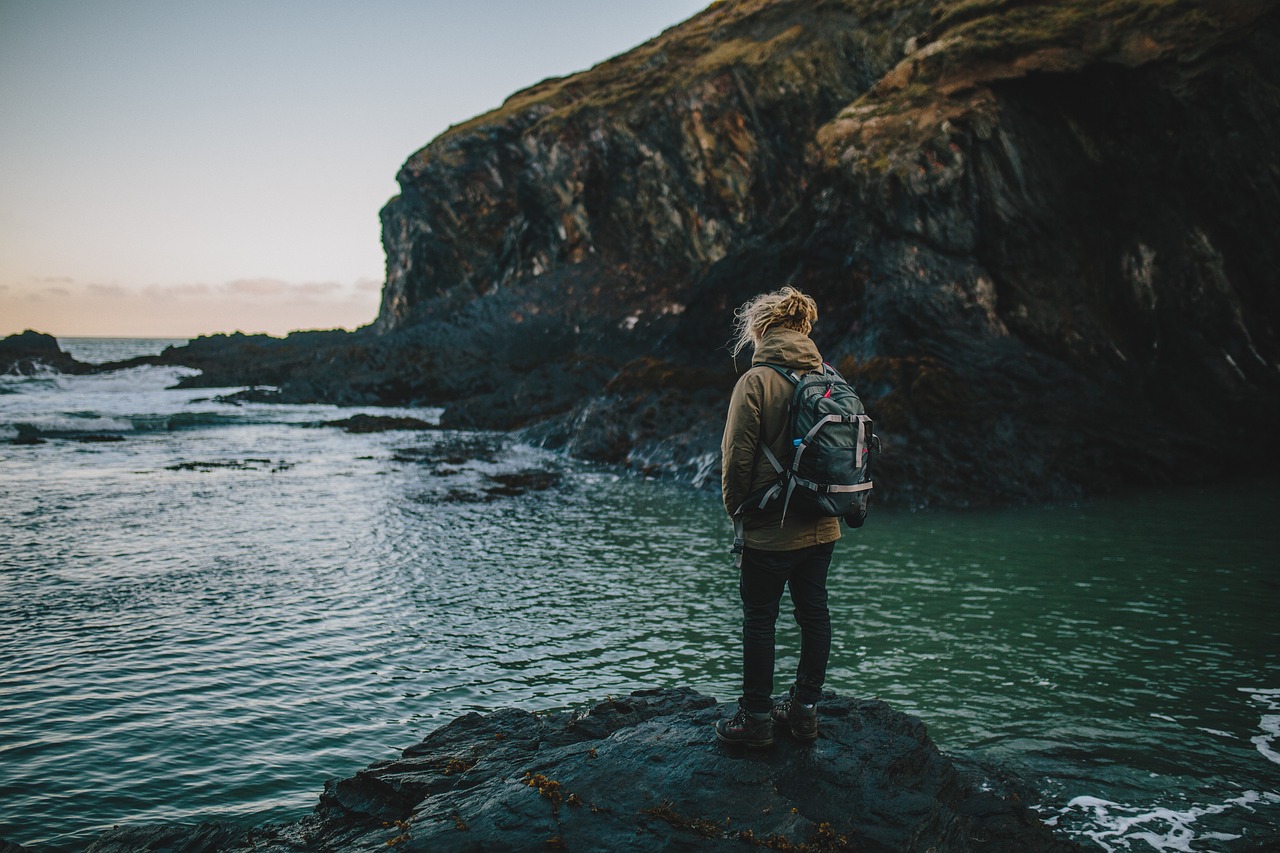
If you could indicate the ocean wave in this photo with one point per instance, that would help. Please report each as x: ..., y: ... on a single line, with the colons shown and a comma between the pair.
x: 74, y: 424
x: 41, y: 378
x: 78, y: 424
x: 1270, y: 723
x: 38, y: 369
x: 1114, y: 825
x: 145, y: 399
x: 131, y: 400
x: 44, y: 378
x: 128, y: 380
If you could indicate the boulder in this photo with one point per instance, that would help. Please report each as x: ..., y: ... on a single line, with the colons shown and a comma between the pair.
x: 379, y: 423
x: 646, y: 773
x: 29, y: 352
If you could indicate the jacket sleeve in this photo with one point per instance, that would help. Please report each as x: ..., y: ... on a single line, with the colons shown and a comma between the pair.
x: 738, y: 447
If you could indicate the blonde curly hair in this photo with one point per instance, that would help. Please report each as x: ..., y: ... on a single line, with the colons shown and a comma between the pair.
x: 787, y: 308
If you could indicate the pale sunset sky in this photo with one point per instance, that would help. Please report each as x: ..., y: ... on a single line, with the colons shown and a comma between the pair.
x: 171, y: 168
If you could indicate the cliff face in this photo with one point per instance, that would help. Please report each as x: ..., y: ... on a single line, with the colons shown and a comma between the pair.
x: 1074, y: 210
x: 1042, y: 236
x: 648, y: 167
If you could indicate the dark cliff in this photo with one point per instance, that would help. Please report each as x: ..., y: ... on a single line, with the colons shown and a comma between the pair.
x: 1042, y: 236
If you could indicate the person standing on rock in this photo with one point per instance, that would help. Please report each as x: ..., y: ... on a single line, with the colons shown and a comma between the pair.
x: 777, y: 552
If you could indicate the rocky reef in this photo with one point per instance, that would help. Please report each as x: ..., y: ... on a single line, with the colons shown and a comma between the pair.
x: 1041, y: 235
x: 30, y: 352
x: 643, y: 773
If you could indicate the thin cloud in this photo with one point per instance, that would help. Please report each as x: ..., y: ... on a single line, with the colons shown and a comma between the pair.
x: 276, y: 287
x: 268, y: 289
x: 108, y: 290
x: 175, y: 291
x: 319, y: 288
x: 258, y: 286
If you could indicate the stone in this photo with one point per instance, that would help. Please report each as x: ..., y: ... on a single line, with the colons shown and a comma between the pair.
x: 379, y: 423
x: 30, y: 351
x: 645, y: 773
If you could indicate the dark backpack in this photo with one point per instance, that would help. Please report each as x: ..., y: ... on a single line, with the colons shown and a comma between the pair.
x: 829, y: 472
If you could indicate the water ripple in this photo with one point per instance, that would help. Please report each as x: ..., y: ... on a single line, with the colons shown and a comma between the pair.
x: 196, y: 644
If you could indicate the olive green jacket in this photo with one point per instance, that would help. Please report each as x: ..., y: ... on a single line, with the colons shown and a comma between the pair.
x: 759, y: 412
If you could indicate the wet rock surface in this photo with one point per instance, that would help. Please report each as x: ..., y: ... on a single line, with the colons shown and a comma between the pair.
x: 379, y: 423
x: 232, y: 465
x: 29, y: 352
x: 476, y: 468
x: 645, y: 772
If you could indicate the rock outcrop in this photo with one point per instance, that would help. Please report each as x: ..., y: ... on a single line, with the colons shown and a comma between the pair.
x: 1040, y: 235
x: 30, y: 352
x: 646, y: 773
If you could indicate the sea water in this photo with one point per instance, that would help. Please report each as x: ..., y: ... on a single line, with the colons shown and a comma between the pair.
x: 208, y: 609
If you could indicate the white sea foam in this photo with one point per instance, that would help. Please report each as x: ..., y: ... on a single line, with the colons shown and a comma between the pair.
x: 706, y: 465
x: 37, y: 369
x: 133, y: 380
x: 1114, y: 826
x: 1270, y: 723
x: 1217, y: 732
x: 81, y: 423
x: 143, y: 400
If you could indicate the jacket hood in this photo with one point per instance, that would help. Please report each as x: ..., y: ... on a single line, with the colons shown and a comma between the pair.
x: 789, y: 348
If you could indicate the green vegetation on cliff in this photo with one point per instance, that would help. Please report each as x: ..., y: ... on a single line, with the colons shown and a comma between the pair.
x: 943, y: 79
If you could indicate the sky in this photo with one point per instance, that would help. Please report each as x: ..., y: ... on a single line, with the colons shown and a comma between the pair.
x: 172, y: 168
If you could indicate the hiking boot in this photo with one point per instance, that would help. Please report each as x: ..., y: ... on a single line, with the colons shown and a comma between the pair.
x: 745, y: 727
x: 802, y: 719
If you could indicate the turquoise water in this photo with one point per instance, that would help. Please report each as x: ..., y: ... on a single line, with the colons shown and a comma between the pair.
x: 212, y: 616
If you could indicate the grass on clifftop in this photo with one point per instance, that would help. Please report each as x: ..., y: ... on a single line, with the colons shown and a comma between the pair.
x: 789, y: 38
x: 1109, y: 29
x: 942, y: 80
x: 939, y: 54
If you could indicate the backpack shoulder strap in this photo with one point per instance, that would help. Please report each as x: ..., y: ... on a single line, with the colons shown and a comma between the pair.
x: 830, y: 371
x: 791, y: 375
x: 794, y: 378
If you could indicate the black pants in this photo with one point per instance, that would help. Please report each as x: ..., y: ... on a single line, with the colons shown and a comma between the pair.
x: 764, y: 574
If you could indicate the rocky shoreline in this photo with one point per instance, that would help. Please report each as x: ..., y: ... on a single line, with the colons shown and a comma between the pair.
x: 645, y: 773
x: 30, y: 352
x: 1042, y: 246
